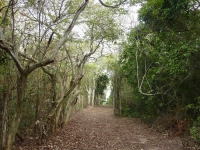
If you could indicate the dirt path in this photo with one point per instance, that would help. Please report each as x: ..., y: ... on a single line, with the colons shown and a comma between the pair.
x: 98, y: 129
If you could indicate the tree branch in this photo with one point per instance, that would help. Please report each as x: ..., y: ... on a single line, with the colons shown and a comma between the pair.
x: 9, y: 51
x: 92, y: 51
x: 70, y: 59
x: 75, y: 98
x: 114, y: 6
x: 138, y: 80
x: 70, y: 27
x: 35, y: 66
x: 47, y: 72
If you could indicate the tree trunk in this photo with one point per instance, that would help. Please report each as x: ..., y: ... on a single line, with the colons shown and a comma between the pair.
x: 21, y: 85
x: 4, y: 125
x: 67, y: 112
x: 93, y: 96
x: 37, y: 105
x: 4, y: 118
x: 98, y: 99
x: 82, y: 100
x: 89, y: 96
x: 116, y: 94
x: 51, y: 120
x: 55, y: 113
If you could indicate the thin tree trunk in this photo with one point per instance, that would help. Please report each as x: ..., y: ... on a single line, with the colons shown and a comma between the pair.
x: 37, y: 110
x: 98, y: 99
x: 89, y: 96
x: 82, y: 101
x: 93, y: 96
x: 4, y: 123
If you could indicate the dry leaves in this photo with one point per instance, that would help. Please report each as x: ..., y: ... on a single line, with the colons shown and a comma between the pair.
x: 98, y: 129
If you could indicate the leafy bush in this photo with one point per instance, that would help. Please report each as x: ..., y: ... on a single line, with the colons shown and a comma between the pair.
x: 195, y: 130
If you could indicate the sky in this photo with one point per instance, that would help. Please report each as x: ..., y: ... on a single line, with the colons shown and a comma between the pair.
x: 130, y: 19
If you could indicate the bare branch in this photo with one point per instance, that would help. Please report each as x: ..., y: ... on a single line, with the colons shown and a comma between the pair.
x: 75, y: 98
x: 70, y: 59
x: 70, y: 27
x: 92, y: 51
x: 137, y: 65
x: 27, y: 57
x: 50, y: 38
x: 114, y: 6
x: 4, y: 19
x: 35, y: 66
x: 3, y: 8
x: 9, y: 51
x: 47, y: 72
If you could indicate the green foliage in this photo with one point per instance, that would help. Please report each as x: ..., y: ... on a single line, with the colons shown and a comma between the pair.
x: 4, y: 59
x: 163, y: 15
x: 109, y: 100
x: 169, y: 65
x: 73, y: 5
x: 102, y: 23
x: 101, y: 84
x: 195, y: 130
x: 161, y: 57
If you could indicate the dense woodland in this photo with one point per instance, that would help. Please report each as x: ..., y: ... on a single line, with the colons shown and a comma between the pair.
x: 57, y: 57
x: 159, y: 67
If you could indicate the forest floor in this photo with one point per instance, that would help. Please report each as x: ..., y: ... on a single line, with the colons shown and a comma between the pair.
x: 98, y: 129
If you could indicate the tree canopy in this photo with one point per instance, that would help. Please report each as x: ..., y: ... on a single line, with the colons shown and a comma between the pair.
x: 160, y: 64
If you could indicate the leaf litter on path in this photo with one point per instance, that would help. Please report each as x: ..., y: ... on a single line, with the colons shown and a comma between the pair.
x: 96, y: 128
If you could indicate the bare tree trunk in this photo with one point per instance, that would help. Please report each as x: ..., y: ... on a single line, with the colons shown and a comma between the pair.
x: 116, y: 93
x: 54, y: 115
x: 89, y: 96
x: 4, y: 118
x: 98, y: 99
x: 120, y: 105
x: 93, y: 95
x: 82, y: 101
x: 21, y: 88
x: 37, y: 105
x: 62, y: 102
x: 4, y: 125
x: 67, y: 112
x: 21, y: 85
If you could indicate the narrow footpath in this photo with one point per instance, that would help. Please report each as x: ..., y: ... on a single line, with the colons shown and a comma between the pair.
x: 98, y: 129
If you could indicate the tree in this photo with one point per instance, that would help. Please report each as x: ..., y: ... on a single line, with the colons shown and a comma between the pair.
x: 89, y: 82
x: 101, y: 84
x: 40, y: 42
x: 38, y: 58
x: 160, y: 59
